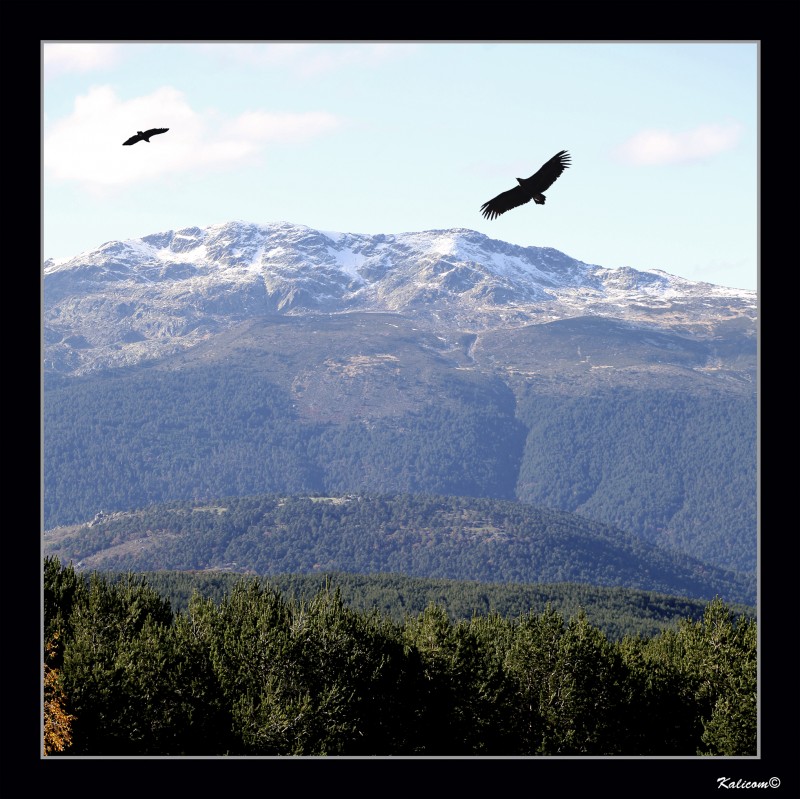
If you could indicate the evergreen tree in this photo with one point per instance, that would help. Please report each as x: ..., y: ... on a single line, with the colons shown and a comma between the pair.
x: 116, y: 670
x: 721, y: 652
x: 531, y: 660
x: 659, y: 714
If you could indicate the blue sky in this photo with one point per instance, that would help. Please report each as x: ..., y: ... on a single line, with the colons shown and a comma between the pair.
x: 397, y: 137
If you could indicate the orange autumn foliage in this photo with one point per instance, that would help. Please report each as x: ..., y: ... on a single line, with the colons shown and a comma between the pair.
x: 57, y: 722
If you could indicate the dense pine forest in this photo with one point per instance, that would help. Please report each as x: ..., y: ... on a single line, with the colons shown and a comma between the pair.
x: 255, y: 672
x: 617, y: 612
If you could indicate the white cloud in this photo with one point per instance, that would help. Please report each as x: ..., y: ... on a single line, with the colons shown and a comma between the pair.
x: 665, y: 147
x: 86, y: 147
x: 62, y: 57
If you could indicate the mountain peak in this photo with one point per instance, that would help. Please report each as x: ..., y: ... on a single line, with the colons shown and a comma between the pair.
x: 130, y: 299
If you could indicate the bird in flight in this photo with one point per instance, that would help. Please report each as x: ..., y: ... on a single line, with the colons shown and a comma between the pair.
x: 144, y: 135
x: 529, y: 188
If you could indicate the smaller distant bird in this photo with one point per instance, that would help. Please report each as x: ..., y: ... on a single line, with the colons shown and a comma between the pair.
x: 144, y: 135
x: 529, y: 188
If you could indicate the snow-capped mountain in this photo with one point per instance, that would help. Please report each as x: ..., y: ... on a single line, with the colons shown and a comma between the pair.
x: 132, y: 300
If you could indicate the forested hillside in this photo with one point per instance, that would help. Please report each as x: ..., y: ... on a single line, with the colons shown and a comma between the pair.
x: 131, y: 439
x: 672, y: 467
x: 258, y: 674
x: 653, y: 461
x: 416, y: 535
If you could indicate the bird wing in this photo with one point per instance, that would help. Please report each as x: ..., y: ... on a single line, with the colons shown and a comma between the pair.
x: 548, y: 173
x: 505, y: 202
x: 153, y: 131
x: 133, y: 139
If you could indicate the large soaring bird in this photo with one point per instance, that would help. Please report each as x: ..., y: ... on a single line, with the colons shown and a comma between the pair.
x: 144, y: 135
x: 529, y: 188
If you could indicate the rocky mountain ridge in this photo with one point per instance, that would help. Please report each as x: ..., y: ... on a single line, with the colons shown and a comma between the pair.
x: 132, y: 301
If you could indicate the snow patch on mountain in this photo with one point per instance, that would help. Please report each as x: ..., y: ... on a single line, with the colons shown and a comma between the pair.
x: 348, y: 262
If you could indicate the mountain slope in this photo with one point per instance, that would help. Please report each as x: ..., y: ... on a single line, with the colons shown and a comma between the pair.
x: 363, y: 402
x: 241, y: 359
x: 420, y: 536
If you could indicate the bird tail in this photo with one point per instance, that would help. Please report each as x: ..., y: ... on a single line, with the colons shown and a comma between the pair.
x: 539, y: 199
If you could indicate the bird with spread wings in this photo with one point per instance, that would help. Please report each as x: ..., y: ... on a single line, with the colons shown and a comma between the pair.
x: 144, y: 135
x: 529, y: 188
